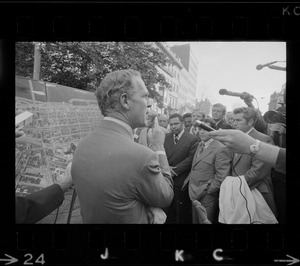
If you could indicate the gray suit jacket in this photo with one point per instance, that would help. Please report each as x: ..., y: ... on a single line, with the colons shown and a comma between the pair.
x: 208, y: 171
x: 116, y: 179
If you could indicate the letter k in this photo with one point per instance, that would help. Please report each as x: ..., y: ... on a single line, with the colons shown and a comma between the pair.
x: 178, y: 255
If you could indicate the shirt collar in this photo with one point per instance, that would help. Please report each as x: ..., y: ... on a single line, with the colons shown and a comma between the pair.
x: 248, y: 132
x: 217, y: 123
x: 180, y: 134
x: 192, y: 128
x: 208, y: 142
x: 126, y: 126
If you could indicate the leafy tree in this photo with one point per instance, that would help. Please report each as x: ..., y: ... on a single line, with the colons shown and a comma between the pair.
x: 24, y: 59
x: 84, y: 64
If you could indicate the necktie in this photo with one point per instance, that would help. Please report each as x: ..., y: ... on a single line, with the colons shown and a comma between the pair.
x: 195, y: 130
x: 176, y: 138
x: 201, y: 147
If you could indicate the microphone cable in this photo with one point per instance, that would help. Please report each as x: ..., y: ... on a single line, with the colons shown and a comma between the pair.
x: 244, y: 196
x: 241, y: 191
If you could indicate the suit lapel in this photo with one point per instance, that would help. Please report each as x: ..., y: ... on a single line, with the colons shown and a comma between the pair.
x: 204, y: 153
x: 174, y: 147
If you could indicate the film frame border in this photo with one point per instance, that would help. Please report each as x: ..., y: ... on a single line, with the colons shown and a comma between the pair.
x: 278, y: 24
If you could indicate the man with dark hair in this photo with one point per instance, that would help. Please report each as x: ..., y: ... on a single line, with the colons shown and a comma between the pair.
x: 211, y: 165
x: 218, y: 114
x: 187, y: 120
x: 256, y: 172
x: 117, y: 180
x: 180, y: 147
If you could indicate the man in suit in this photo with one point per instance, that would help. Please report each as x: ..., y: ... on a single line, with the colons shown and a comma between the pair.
x: 218, y: 115
x: 210, y: 166
x: 194, y: 129
x: 180, y: 147
x: 118, y: 180
x: 256, y: 172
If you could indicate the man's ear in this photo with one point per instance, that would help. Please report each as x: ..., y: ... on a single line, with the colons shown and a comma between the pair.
x: 251, y: 122
x: 124, y: 101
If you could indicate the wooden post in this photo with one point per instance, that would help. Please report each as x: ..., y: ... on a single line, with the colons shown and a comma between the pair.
x: 37, y: 61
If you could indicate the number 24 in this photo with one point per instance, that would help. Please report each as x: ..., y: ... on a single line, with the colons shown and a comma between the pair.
x: 40, y: 259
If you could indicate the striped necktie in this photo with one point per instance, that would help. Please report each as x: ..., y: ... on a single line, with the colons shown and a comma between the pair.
x: 176, y: 138
x: 201, y: 147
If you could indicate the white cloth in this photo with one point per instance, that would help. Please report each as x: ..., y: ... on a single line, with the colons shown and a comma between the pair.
x: 232, y: 203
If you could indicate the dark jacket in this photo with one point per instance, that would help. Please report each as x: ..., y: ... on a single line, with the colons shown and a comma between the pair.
x: 38, y: 205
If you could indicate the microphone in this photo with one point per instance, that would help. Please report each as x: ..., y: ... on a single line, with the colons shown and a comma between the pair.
x: 205, y: 127
x: 237, y: 94
x: 259, y: 67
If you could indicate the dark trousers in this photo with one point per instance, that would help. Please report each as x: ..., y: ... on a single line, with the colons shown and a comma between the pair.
x: 180, y: 211
x: 211, y: 203
x: 279, y: 188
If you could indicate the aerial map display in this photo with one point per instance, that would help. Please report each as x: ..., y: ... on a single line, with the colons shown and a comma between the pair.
x: 62, y: 116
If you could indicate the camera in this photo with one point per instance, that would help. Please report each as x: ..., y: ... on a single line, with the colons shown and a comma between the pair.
x: 272, y: 117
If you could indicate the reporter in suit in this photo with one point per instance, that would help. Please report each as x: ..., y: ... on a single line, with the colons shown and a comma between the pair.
x: 117, y: 180
x: 256, y: 172
x: 218, y: 114
x: 180, y: 153
x: 211, y: 165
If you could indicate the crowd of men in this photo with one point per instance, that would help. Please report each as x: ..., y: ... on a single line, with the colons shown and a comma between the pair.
x: 139, y: 167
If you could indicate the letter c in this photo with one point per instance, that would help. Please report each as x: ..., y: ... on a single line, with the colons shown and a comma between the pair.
x: 297, y: 14
x: 216, y: 256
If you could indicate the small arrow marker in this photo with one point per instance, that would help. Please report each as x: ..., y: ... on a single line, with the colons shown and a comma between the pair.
x: 292, y: 261
x: 10, y: 260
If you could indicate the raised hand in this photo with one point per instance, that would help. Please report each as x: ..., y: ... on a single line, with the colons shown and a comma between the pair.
x: 156, y: 137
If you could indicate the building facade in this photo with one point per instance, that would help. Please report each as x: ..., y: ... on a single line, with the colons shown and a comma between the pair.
x: 172, y: 74
x: 189, y: 62
x: 204, y: 106
x: 181, y: 97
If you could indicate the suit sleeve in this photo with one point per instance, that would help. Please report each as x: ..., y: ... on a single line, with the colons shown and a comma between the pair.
x: 222, y: 169
x: 38, y: 205
x: 155, y: 185
x: 186, y: 164
x: 258, y: 171
x: 281, y: 161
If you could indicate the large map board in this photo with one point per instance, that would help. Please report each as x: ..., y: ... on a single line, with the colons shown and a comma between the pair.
x: 62, y: 116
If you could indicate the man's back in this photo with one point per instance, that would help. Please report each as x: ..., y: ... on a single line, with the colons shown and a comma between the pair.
x: 116, y: 178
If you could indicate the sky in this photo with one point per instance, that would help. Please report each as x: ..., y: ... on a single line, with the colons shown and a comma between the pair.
x: 232, y: 66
